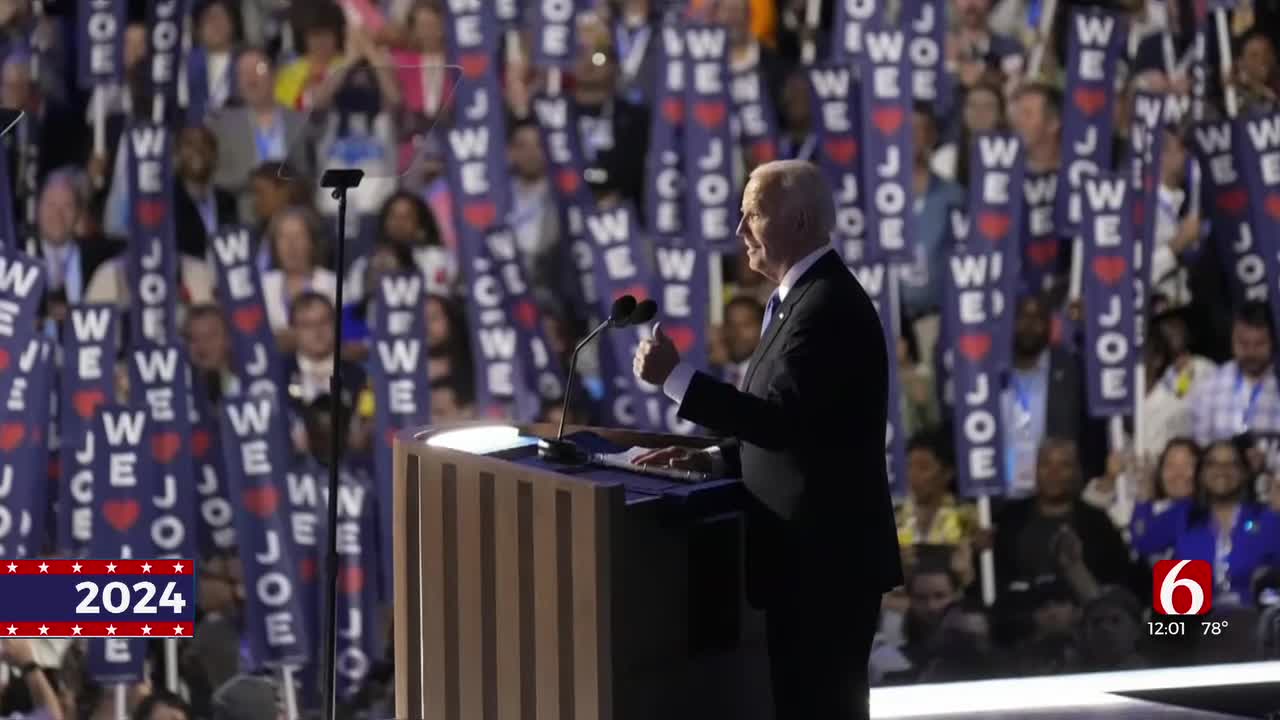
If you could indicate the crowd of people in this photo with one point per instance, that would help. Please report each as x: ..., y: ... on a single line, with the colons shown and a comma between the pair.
x: 294, y: 88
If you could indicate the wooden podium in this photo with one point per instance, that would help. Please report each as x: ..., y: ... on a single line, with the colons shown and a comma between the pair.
x: 530, y: 592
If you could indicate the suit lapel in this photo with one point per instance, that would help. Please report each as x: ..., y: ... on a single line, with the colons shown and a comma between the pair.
x: 783, y: 314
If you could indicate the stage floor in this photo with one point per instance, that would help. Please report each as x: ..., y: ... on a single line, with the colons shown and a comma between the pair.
x: 1122, y: 709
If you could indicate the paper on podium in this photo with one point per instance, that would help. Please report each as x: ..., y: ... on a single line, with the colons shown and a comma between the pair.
x: 625, y: 460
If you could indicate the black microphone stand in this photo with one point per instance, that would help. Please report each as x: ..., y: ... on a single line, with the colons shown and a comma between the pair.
x: 341, y: 180
x: 560, y: 450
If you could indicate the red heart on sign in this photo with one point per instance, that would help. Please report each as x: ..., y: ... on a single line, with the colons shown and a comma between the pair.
x: 709, y: 114
x: 121, y: 514
x: 200, y: 443
x: 639, y: 292
x: 1090, y: 100
x: 150, y: 212
x: 1232, y: 201
x: 495, y: 411
x: 352, y: 579
x: 1042, y: 252
x: 1109, y: 269
x: 473, y: 64
x: 526, y: 314
x: 390, y: 437
x: 567, y: 180
x: 681, y: 336
x: 673, y: 110
x: 4, y: 359
x: 261, y: 501
x: 841, y: 152
x: 307, y: 570
x: 888, y: 119
x: 975, y: 347
x: 1273, y: 205
x: 764, y: 151
x: 480, y: 215
x: 165, y: 446
x: 11, y: 435
x: 994, y: 225
x: 86, y: 401
x: 248, y: 318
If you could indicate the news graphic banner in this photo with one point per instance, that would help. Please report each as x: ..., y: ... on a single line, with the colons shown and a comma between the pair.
x: 99, y: 598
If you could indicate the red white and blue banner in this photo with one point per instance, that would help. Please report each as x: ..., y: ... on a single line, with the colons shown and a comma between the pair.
x: 1096, y: 40
x: 682, y: 292
x: 874, y: 278
x: 97, y: 598
x: 1041, y: 242
x: 755, y: 120
x: 239, y: 291
x: 88, y: 383
x: 1146, y: 144
x: 1218, y: 146
x: 21, y: 289
x: 255, y: 446
x: 24, y: 422
x: 215, y: 528
x: 159, y: 380
x: 306, y: 489
x: 853, y: 20
x: 973, y: 301
x: 995, y: 212
x: 1109, y: 355
x: 834, y: 95
x: 100, y: 43
x: 359, y: 638
x: 562, y: 145
x: 926, y: 22
x: 664, y: 187
x: 153, y: 253
x: 165, y: 20
x: 495, y: 346
x: 554, y: 30
x: 887, y: 147
x: 1259, y: 137
x: 711, y: 205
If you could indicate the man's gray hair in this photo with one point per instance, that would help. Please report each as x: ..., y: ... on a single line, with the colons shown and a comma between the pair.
x: 803, y: 188
x: 75, y: 179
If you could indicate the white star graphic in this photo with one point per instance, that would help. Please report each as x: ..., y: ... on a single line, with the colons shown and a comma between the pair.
x: 146, y: 629
x: 75, y: 567
x: 44, y: 629
x: 111, y: 567
x: 177, y: 567
x: 75, y: 629
x: 146, y: 567
x: 44, y: 567
x: 13, y: 630
x: 111, y: 629
x: 177, y: 629
x: 13, y: 568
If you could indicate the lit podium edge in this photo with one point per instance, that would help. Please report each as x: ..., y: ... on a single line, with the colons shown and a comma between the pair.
x: 523, y: 593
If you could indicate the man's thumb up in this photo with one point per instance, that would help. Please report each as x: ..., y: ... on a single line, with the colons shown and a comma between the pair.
x: 658, y: 336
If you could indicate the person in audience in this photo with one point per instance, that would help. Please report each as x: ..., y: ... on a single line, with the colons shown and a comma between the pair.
x: 323, y: 31
x: 1110, y: 627
x: 1173, y: 374
x: 1035, y: 114
x: 32, y: 692
x: 421, y: 66
x: 219, y: 35
x: 70, y: 259
x: 1257, y: 76
x: 1049, y: 646
x: 796, y: 140
x: 258, y: 132
x: 248, y: 697
x: 1241, y: 396
x: 357, y: 440
x: 534, y: 216
x: 743, y: 318
x: 213, y: 655
x: 358, y: 317
x: 299, y: 254
x: 982, y: 110
x: 636, y: 28
x: 1173, y: 478
x: 1221, y: 524
x: 199, y: 206
x: 311, y: 367
x: 930, y: 514
x: 941, y: 641
x: 918, y: 394
x: 55, y: 129
x: 209, y: 350
x: 450, y: 401
x: 162, y: 705
x: 406, y: 224
x: 746, y: 52
x: 448, y: 344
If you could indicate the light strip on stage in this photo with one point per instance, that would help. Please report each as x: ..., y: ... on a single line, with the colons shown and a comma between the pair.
x: 1081, y: 690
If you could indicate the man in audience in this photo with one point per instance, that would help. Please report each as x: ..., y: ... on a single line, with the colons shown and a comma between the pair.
x: 1036, y: 116
x: 213, y: 655
x: 200, y: 208
x: 534, y: 216
x: 209, y: 350
x: 1241, y: 395
x: 743, y: 317
x: 69, y: 258
x: 311, y: 367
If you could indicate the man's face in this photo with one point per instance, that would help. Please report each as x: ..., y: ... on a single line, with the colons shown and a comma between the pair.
x: 742, y: 330
x: 255, y: 77
x: 268, y: 196
x: 796, y: 102
x: 428, y: 30
x: 15, y: 85
x: 196, y: 154
x: 215, y: 28
x: 1251, y: 348
x: 525, y: 154
x: 57, y: 213
x: 1258, y: 59
x: 1031, y: 328
x: 208, y: 343
x: 931, y: 595
x: 926, y: 475
x: 1056, y: 471
x: 973, y: 13
x: 981, y: 110
x: 314, y: 323
x: 1032, y: 119
x: 761, y: 230
x: 322, y: 45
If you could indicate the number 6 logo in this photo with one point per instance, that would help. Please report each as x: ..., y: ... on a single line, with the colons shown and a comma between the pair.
x: 1193, y: 576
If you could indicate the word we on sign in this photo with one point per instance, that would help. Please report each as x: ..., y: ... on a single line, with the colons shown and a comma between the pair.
x: 1216, y: 145
x: 1108, y: 294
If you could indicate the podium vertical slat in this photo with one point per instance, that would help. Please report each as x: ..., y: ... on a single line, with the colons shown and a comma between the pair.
x: 407, y: 582
x: 513, y: 588
x: 434, y: 660
x: 592, y: 567
x: 470, y: 598
x: 546, y: 570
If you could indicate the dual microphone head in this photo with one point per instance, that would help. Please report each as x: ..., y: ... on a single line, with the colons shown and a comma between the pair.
x: 626, y: 312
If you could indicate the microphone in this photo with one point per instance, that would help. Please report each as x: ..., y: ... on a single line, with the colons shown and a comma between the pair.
x: 624, y: 312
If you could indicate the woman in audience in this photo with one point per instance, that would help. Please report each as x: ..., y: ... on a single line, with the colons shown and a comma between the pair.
x: 1172, y: 373
x: 1173, y: 478
x: 358, y: 316
x: 406, y: 223
x: 218, y: 29
x: 298, y: 253
x: 930, y: 514
x: 982, y: 110
x: 324, y: 29
x: 448, y: 341
x: 1221, y: 524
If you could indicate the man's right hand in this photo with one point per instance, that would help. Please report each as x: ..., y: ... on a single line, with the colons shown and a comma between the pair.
x: 680, y: 458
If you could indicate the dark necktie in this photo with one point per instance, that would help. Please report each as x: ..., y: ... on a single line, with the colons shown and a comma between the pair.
x: 770, y: 309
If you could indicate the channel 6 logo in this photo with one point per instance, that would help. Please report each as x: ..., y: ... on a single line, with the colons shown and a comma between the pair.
x: 1182, y: 587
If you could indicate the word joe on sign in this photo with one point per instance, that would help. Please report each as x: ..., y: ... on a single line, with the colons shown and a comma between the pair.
x: 97, y: 598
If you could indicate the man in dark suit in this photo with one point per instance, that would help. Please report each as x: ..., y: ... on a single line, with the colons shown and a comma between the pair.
x: 807, y: 435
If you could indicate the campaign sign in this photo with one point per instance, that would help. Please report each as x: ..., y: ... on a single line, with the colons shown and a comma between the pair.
x: 926, y: 35
x: 1259, y: 163
x: 1096, y: 39
x: 164, y: 46
x: 711, y: 205
x: 755, y: 119
x: 29, y: 164
x: 854, y: 18
x: 494, y: 342
x: 88, y: 383
x: 682, y: 292
x: 834, y: 97
x: 254, y: 445
x: 476, y: 142
x: 664, y: 171
x: 875, y: 280
x: 1041, y: 242
x: 555, y: 42
x: 159, y: 381
x: 1218, y: 145
x: 398, y: 371
x: 540, y: 377
x: 1146, y: 138
x: 887, y: 147
x: 973, y: 304
x: 153, y: 255
x: 215, y: 529
x: 622, y: 270
x: 562, y: 146
x: 239, y: 292
x: 100, y: 46
x: 1107, y: 227
x: 359, y: 640
x: 306, y: 486
x: 97, y: 598
x: 24, y: 420
x: 21, y: 289
x: 995, y: 212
